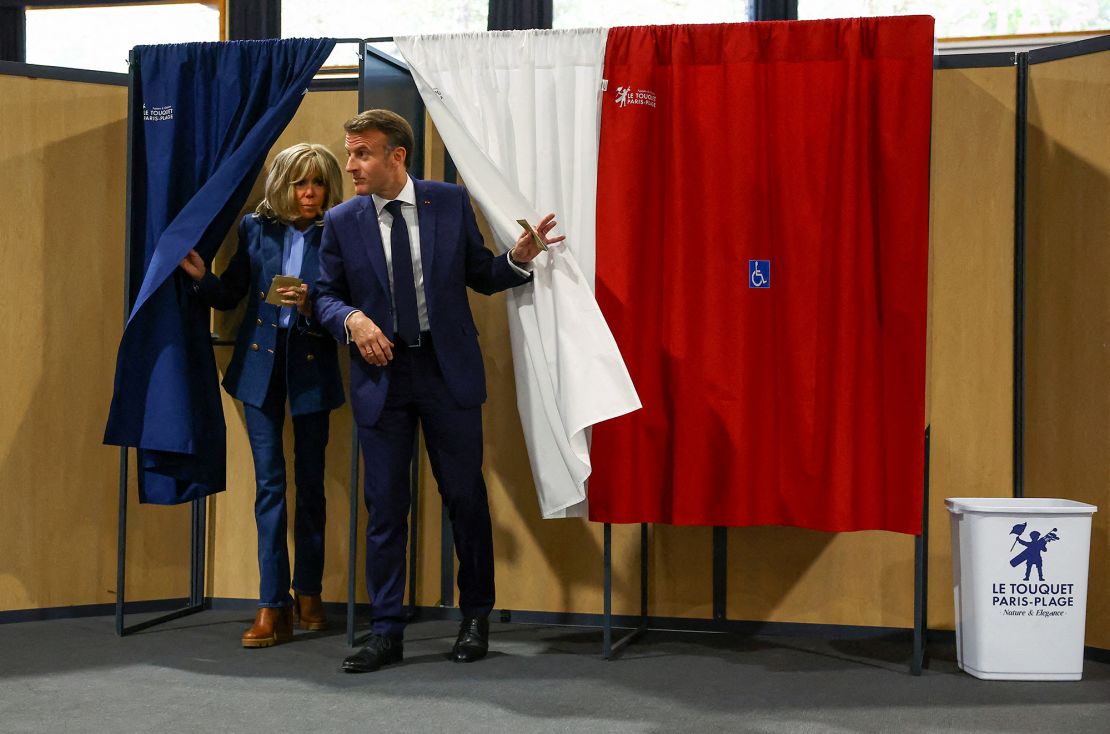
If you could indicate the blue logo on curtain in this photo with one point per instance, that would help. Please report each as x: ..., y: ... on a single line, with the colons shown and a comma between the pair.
x: 157, y: 114
x: 759, y: 273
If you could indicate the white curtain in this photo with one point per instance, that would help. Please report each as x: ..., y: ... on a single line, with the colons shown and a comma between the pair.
x: 519, y: 114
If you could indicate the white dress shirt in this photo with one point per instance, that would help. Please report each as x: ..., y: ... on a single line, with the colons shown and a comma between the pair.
x: 407, y: 197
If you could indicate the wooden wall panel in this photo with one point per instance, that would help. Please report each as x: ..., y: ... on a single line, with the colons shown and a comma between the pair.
x: 63, y: 153
x: 1067, y: 380
x: 971, y: 304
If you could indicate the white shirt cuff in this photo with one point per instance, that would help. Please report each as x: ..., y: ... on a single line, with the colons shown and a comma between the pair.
x: 524, y: 270
x: 346, y: 319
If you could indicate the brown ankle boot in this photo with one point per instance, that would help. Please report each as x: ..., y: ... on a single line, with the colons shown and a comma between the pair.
x: 272, y: 625
x: 308, y: 612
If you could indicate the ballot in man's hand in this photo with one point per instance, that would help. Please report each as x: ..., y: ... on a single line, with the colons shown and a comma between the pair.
x: 525, y: 248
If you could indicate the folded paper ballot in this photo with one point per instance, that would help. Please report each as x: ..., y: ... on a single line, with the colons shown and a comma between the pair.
x: 281, y: 281
x: 535, y: 235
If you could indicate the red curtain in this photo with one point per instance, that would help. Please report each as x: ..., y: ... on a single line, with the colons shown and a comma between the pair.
x: 788, y: 155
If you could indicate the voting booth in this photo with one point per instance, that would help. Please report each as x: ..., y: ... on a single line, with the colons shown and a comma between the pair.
x: 761, y: 577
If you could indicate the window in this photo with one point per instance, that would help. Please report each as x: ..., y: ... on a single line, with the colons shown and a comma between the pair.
x: 100, y: 37
x: 359, y: 19
x: 963, y: 19
x: 597, y: 14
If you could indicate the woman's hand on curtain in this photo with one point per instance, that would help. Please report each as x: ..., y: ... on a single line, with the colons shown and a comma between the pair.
x: 194, y: 266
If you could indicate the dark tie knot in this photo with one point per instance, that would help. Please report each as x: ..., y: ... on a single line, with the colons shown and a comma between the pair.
x: 394, y: 208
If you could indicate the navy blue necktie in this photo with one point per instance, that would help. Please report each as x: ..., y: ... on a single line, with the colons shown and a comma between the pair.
x: 404, y: 282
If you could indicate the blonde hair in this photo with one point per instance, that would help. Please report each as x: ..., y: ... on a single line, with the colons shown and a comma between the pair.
x: 296, y: 163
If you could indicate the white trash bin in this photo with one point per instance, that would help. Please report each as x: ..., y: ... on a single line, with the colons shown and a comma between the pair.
x: 1019, y: 568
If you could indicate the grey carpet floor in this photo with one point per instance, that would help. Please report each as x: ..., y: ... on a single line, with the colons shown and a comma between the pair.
x: 191, y: 676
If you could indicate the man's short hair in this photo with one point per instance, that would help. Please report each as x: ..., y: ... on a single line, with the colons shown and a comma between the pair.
x: 397, y: 131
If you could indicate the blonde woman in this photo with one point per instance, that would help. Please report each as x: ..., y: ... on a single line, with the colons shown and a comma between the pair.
x: 282, y: 355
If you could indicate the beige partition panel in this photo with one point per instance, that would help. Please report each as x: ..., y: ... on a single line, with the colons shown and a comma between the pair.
x: 63, y: 153
x: 971, y: 297
x: 1067, y: 318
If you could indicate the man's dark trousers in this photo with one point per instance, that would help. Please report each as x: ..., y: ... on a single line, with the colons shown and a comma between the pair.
x: 453, y: 437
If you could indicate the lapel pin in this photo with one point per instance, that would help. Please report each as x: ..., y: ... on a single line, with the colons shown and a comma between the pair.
x: 427, y: 202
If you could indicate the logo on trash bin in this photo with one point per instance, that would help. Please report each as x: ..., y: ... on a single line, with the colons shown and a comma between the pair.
x: 1034, y: 547
x: 1032, y: 598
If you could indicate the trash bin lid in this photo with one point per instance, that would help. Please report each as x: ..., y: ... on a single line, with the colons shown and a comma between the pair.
x: 1018, y: 506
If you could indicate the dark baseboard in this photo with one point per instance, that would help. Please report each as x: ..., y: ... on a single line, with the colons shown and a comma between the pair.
x: 514, y: 616
x: 1097, y: 654
x: 91, y: 610
x: 622, y: 621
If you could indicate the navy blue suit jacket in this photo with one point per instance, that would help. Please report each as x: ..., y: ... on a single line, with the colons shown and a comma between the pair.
x: 453, y: 257
x: 313, y: 381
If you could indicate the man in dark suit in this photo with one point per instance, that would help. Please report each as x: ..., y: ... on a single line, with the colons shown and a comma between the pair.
x: 395, y: 263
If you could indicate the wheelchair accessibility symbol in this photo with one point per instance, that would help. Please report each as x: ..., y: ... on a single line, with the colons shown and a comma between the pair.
x: 759, y: 273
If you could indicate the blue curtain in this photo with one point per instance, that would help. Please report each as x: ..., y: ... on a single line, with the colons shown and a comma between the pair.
x: 209, y: 113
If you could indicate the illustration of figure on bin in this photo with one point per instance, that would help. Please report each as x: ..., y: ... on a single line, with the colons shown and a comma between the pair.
x: 1034, y: 547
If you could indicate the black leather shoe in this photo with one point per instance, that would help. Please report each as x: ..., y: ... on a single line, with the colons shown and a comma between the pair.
x: 473, y: 641
x: 379, y: 651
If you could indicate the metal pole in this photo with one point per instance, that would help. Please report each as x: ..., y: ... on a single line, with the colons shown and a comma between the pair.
x: 196, y: 560
x: 121, y: 528
x: 720, y: 573
x: 352, y: 537
x: 921, y: 574
x: 121, y: 540
x: 446, y: 561
x: 1020, y: 145
x: 414, y: 521
x: 607, y: 564
x: 643, y: 574
x: 611, y: 647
